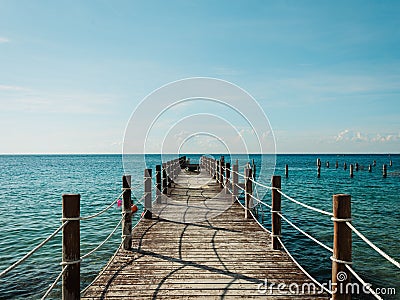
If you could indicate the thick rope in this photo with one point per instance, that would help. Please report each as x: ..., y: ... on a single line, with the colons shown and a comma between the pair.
x: 302, y: 269
x: 305, y: 233
x: 104, y: 210
x: 372, y: 245
x: 259, y: 201
x: 32, y: 251
x: 305, y: 205
x: 259, y: 224
x: 110, y: 261
x: 262, y: 185
x: 54, y: 283
x: 368, y: 286
x: 102, y: 243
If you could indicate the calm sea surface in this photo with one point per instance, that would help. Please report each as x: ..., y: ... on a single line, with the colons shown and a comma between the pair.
x: 30, y: 209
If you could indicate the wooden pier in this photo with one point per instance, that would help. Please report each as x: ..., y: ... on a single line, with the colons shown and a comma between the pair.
x: 198, y: 244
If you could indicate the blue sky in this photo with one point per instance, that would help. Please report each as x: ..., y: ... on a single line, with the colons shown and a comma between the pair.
x: 327, y: 74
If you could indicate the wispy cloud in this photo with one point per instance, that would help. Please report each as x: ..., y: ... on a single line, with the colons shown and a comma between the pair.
x: 4, y: 40
x: 348, y: 135
x: 13, y: 88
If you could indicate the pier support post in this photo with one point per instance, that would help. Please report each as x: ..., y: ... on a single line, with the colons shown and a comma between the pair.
x: 286, y: 171
x: 327, y: 164
x: 341, y: 247
x: 248, y: 186
x: 276, y: 208
x: 164, y: 179
x: 227, y: 176
x: 319, y: 171
x: 374, y: 163
x: 254, y: 169
x: 158, y: 184
x: 337, y: 165
x: 147, y: 194
x: 345, y: 166
x: 71, y: 246
x: 351, y: 171
x: 384, y: 171
x: 235, y: 182
x: 369, y: 168
x: 221, y: 171
x: 127, y: 213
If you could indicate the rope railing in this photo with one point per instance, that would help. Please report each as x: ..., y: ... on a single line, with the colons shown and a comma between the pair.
x: 103, y: 242
x: 372, y: 245
x: 26, y: 256
x: 305, y: 205
x: 52, y: 286
x: 305, y: 233
x: 230, y: 182
x: 365, y: 285
x: 302, y: 269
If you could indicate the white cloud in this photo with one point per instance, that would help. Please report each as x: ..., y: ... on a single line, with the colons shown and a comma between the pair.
x: 357, y: 136
x: 4, y: 40
x: 12, y: 88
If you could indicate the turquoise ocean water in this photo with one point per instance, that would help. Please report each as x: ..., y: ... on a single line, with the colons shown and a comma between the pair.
x: 30, y: 209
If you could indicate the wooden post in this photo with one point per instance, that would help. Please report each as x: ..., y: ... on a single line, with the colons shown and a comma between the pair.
x: 127, y: 213
x: 71, y: 246
x: 286, y: 171
x: 384, y: 171
x: 351, y: 171
x: 337, y: 165
x: 318, y: 162
x: 217, y: 170
x: 147, y: 194
x: 327, y: 164
x: 369, y: 168
x: 390, y: 163
x: 356, y: 167
x: 344, y: 166
x: 164, y: 179
x: 341, y: 276
x: 235, y: 180
x: 158, y: 184
x: 254, y: 169
x: 248, y: 186
x: 227, y: 176
x: 221, y: 171
x: 276, y: 208
x: 169, y: 174
x: 374, y: 163
x: 319, y: 171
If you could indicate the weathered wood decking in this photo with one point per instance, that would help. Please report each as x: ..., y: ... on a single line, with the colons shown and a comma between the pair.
x: 203, y: 248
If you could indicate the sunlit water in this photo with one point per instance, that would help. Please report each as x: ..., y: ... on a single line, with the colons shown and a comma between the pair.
x: 30, y: 210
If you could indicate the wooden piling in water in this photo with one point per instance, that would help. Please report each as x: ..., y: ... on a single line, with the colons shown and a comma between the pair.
x: 327, y: 164
x: 286, y: 171
x: 71, y: 246
x: 319, y: 171
x: 356, y: 167
x: 318, y: 162
x: 342, y: 243
x: 374, y: 164
x: 384, y: 171
x: 254, y: 169
x: 351, y: 171
x: 390, y: 163
x: 147, y: 194
x: 337, y: 165
x: 276, y: 208
x: 127, y: 213
x: 248, y: 186
x: 369, y: 168
x: 344, y: 166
